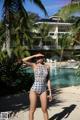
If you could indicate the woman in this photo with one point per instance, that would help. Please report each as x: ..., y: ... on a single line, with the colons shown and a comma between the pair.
x: 41, y: 73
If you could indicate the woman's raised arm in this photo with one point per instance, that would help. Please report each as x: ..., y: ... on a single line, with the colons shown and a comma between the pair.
x: 26, y: 60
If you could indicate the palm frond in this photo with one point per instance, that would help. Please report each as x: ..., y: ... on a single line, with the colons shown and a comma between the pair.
x: 40, y: 5
x: 68, y: 10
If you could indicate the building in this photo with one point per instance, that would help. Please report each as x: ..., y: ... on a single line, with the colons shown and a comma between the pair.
x: 58, y: 26
x: 75, y: 1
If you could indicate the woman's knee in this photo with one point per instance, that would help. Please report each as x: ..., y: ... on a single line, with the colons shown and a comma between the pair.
x: 32, y: 110
x: 44, y: 110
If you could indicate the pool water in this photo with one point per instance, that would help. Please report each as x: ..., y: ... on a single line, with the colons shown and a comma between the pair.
x: 60, y: 77
x: 63, y: 77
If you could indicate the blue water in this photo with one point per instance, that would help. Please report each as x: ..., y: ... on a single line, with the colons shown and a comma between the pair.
x: 60, y: 77
x: 64, y: 77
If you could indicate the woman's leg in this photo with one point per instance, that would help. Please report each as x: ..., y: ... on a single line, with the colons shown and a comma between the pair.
x: 43, y: 99
x: 33, y: 100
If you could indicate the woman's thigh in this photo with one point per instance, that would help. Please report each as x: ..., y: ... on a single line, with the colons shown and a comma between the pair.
x: 43, y: 99
x: 33, y: 99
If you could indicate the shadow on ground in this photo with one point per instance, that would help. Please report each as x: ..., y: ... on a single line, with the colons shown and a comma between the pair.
x: 56, y: 100
x: 14, y: 103
x: 18, y: 102
x: 64, y: 114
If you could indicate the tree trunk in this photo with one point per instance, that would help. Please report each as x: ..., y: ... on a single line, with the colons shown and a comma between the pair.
x: 8, y: 40
x: 7, y: 26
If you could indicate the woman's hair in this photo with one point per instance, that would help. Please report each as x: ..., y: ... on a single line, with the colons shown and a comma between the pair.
x: 39, y: 57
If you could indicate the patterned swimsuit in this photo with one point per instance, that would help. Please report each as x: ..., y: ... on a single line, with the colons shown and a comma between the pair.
x: 40, y: 75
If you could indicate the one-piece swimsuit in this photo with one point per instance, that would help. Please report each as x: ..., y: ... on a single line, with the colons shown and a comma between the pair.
x: 40, y: 79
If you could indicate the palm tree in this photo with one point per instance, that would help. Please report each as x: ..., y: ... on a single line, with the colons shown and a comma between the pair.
x: 65, y: 43
x: 43, y: 31
x: 65, y: 13
x: 76, y: 32
x: 33, y: 18
x: 11, y: 7
x: 2, y: 34
x: 68, y: 10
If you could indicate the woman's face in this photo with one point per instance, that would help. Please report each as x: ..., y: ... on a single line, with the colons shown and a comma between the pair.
x: 40, y: 59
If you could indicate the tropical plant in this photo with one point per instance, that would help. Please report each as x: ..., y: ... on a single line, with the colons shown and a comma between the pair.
x: 12, y: 8
x: 11, y: 78
x: 2, y: 34
x: 33, y: 18
x: 65, y: 13
x: 76, y: 31
x: 65, y: 43
x: 43, y: 32
x: 69, y: 10
x: 15, y: 28
x: 20, y: 51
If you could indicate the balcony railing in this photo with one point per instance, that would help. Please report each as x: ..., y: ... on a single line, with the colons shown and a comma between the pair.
x: 53, y: 47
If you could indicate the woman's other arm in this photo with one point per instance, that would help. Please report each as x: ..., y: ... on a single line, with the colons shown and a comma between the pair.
x: 49, y: 83
x: 49, y: 89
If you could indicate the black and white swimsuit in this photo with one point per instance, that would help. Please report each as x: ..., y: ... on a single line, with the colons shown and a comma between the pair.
x: 40, y: 75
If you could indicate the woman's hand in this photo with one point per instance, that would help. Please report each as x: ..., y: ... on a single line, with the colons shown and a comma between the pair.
x: 50, y: 98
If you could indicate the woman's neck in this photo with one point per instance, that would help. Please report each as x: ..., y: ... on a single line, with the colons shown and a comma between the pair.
x: 40, y: 63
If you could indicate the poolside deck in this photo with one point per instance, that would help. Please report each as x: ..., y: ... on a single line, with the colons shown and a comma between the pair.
x: 65, y: 105
x: 64, y: 64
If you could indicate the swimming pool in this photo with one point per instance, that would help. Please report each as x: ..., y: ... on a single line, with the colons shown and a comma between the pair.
x: 63, y: 77
x: 60, y: 77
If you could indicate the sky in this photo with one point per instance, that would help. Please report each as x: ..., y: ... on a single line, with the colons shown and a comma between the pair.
x: 1, y: 9
x: 52, y: 6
